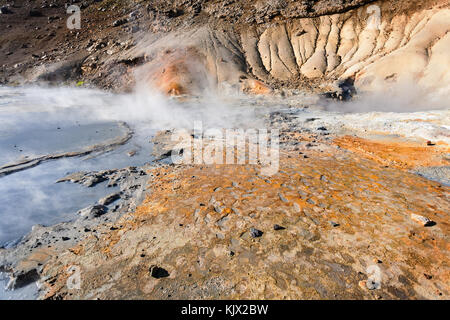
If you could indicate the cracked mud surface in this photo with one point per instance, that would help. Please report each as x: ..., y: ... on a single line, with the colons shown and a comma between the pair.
x: 201, y: 236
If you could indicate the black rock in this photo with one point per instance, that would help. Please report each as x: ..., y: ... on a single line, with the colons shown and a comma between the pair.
x: 255, y: 233
x: 174, y: 13
x: 119, y: 22
x: 94, y: 211
x: 5, y: 10
x: 278, y: 227
x: 158, y: 272
x: 345, y: 92
x: 23, y: 278
x: 334, y: 224
x: 35, y: 13
x: 98, y: 210
x: 52, y: 18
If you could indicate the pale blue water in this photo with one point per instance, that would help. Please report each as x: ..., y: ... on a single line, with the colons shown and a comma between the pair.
x: 31, y: 127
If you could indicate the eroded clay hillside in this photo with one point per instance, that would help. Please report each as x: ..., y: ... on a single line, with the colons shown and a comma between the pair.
x: 183, y: 46
x: 372, y: 45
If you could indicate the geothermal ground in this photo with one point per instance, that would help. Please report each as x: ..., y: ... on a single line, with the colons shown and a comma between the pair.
x: 344, y: 199
x: 355, y: 93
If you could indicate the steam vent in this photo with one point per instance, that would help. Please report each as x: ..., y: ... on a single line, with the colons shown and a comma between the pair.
x: 225, y: 150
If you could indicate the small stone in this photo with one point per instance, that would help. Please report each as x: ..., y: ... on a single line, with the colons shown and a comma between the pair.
x: 334, y: 224
x: 119, y: 22
x: 4, y: 10
x: 377, y: 260
x: 93, y: 211
x: 158, y: 272
x: 283, y: 198
x: 255, y: 233
x: 109, y: 199
x: 52, y: 18
x: 134, y: 14
x: 362, y: 284
x: 277, y: 227
x: 422, y: 220
x: 131, y: 153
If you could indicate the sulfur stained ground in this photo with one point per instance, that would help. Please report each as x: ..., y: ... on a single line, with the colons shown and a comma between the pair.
x: 346, y: 218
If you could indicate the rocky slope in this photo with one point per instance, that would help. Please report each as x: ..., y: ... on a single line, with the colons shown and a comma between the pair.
x: 251, y: 46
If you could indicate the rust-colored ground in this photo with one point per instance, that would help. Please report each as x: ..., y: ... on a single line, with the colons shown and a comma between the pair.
x: 176, y: 72
x: 252, y: 86
x: 342, y: 214
x: 404, y: 155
